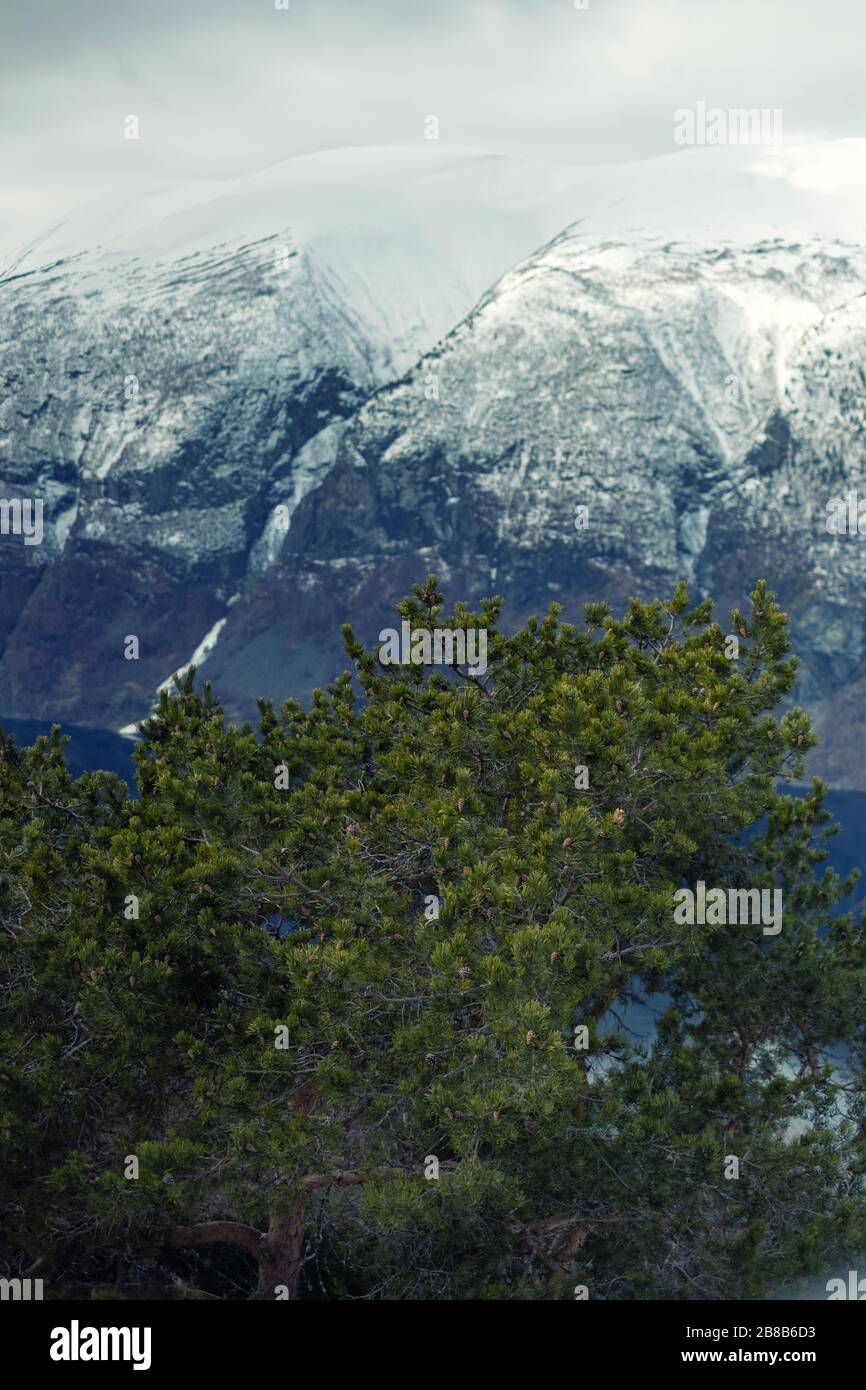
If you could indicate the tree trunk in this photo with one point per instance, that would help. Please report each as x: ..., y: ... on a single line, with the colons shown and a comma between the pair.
x: 278, y: 1251
x: 280, y: 1255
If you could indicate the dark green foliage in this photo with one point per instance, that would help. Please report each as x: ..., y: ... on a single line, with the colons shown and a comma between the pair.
x: 410, y: 1038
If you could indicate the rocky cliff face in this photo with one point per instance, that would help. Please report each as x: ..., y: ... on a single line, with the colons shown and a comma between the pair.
x: 702, y: 398
x: 174, y: 374
x: 158, y: 414
x: 703, y: 406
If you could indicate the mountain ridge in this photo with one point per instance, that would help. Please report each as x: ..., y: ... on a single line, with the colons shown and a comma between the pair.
x: 297, y: 450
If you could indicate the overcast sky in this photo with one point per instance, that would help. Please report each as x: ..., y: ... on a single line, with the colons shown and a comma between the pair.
x: 225, y: 87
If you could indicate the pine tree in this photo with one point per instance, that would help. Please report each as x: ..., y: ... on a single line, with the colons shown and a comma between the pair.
x: 345, y: 986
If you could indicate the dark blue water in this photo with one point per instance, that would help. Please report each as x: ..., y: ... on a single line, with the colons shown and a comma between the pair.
x: 88, y: 750
x: 847, y: 850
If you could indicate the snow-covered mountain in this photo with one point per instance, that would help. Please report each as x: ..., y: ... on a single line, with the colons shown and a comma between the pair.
x: 406, y: 352
x: 176, y: 366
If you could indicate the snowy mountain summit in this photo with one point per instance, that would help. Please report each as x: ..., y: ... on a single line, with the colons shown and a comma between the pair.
x: 256, y: 410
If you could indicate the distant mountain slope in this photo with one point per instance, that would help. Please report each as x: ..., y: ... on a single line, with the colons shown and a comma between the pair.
x: 176, y: 367
x: 687, y: 360
x: 702, y: 404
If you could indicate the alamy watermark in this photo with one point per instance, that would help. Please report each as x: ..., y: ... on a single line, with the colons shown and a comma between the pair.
x: 443, y: 646
x: 20, y: 1290
x: 737, y: 126
x: 855, y: 1289
x: 721, y: 907
x: 77, y: 1343
x: 22, y: 516
x: 846, y: 516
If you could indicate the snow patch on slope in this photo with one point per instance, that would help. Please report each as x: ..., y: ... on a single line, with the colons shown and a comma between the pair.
x: 200, y: 655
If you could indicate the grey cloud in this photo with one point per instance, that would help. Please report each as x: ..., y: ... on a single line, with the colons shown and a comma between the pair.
x: 223, y: 87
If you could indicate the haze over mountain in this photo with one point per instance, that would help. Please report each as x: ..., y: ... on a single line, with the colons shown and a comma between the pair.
x: 429, y: 360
